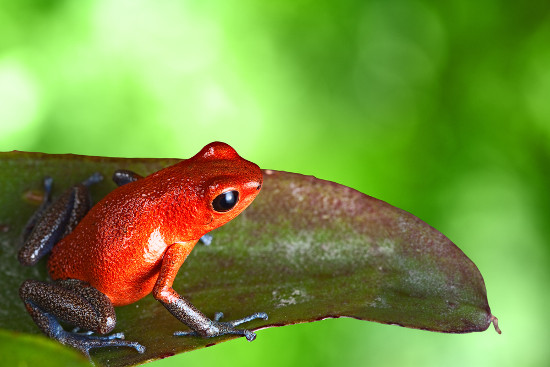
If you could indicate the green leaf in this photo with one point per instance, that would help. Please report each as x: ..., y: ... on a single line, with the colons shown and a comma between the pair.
x: 305, y: 250
x: 18, y: 349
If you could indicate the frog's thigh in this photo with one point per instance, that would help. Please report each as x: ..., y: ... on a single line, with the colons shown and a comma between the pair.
x: 55, y: 221
x: 70, y: 300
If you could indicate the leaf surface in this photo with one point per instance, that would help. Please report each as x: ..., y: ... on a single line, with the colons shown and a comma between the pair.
x: 306, y: 249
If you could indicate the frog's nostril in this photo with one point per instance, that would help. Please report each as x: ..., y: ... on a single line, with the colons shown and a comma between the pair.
x: 259, y: 187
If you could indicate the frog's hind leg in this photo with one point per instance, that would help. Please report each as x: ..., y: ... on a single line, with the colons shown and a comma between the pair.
x: 79, y: 304
x: 52, y: 222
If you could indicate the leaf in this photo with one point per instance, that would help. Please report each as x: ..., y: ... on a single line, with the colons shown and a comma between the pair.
x: 15, y: 349
x: 305, y: 250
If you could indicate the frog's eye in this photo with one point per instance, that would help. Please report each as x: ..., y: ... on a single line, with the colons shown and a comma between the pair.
x: 225, y: 201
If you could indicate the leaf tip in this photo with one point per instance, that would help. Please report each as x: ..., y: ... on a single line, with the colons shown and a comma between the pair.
x: 494, y: 320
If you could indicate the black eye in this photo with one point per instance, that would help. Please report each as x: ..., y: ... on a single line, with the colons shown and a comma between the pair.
x: 225, y: 201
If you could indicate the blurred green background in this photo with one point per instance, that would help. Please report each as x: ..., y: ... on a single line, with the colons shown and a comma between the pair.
x: 439, y: 108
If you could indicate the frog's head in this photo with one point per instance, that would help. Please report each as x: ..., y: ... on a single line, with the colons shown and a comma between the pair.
x: 229, y: 183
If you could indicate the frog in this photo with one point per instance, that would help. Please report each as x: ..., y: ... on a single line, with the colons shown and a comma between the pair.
x: 131, y: 244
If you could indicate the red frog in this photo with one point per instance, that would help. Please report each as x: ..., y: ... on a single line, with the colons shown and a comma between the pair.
x: 132, y: 243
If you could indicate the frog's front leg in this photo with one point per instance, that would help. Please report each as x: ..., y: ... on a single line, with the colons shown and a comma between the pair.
x: 124, y: 176
x: 52, y: 222
x: 77, y: 303
x: 183, y: 310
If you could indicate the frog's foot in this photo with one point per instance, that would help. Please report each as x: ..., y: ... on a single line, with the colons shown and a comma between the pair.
x: 93, y: 179
x: 206, y: 239
x: 31, y: 223
x: 84, y: 342
x: 76, y: 303
x: 218, y: 328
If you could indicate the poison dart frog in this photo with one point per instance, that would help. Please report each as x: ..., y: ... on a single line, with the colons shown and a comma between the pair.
x: 130, y: 244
